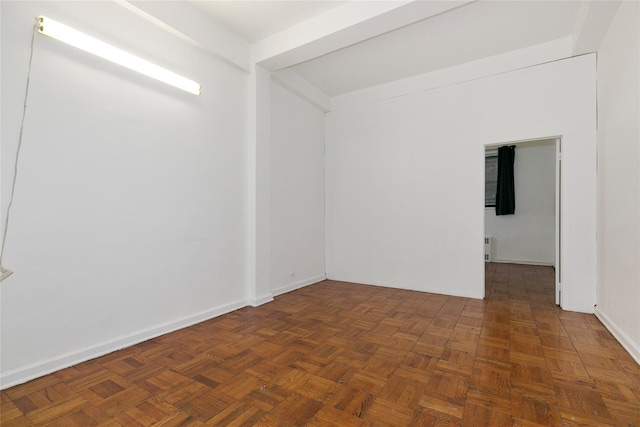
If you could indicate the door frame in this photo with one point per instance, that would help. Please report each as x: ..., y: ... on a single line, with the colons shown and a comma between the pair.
x: 558, y: 204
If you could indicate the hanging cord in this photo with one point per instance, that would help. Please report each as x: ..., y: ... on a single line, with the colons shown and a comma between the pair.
x: 4, y: 272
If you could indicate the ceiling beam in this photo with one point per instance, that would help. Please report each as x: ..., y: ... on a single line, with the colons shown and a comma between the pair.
x: 296, y: 84
x: 592, y: 24
x: 341, y: 27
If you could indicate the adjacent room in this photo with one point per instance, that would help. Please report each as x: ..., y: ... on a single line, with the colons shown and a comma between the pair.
x: 523, y: 228
x: 290, y: 232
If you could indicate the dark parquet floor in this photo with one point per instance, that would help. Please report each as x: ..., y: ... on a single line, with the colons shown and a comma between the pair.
x: 342, y: 354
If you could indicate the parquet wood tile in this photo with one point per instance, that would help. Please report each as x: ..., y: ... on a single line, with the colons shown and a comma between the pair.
x: 343, y: 354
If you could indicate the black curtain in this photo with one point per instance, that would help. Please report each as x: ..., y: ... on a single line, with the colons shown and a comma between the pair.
x: 505, y: 194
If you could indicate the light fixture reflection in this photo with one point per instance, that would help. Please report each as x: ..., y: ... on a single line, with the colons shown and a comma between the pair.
x: 56, y: 30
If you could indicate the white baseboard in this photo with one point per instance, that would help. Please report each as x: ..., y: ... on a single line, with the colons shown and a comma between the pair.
x: 625, y: 340
x: 27, y: 373
x: 584, y: 308
x: 511, y: 261
x: 297, y: 285
x: 431, y: 290
x: 261, y: 300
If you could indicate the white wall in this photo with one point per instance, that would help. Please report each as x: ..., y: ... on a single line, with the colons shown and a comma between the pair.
x: 405, y: 178
x: 297, y: 191
x: 619, y: 178
x: 128, y: 219
x: 528, y: 236
x: 259, y: 187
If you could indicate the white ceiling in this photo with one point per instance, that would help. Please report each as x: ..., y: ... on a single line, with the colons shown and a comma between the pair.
x: 470, y: 32
x: 477, y: 30
x: 258, y: 19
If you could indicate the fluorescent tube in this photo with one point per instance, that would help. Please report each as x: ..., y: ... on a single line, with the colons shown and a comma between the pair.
x: 56, y: 30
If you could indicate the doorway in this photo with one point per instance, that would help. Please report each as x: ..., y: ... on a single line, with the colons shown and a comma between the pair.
x: 531, y: 236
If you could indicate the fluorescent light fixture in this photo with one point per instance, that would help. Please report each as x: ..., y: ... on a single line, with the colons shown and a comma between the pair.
x: 56, y: 30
